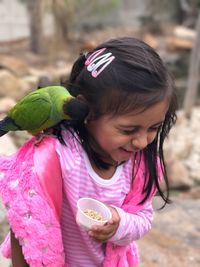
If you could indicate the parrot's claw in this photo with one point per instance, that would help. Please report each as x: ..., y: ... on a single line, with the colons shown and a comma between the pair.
x: 40, y: 136
x: 38, y: 139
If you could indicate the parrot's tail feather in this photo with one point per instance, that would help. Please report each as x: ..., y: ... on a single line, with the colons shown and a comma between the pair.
x: 8, y: 124
x: 2, y: 127
x: 2, y: 133
x: 76, y: 109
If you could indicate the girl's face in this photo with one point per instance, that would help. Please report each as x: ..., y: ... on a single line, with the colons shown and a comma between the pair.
x: 117, y: 138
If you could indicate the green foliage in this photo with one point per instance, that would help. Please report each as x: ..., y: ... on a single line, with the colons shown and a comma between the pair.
x: 23, y: 1
x: 101, y: 7
x: 69, y: 6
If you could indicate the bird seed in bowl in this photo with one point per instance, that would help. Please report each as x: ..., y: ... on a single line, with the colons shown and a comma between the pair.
x: 93, y: 214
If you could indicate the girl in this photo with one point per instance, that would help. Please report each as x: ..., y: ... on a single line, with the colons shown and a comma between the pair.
x: 115, y: 155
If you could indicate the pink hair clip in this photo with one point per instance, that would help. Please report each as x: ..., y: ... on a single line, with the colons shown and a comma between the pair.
x: 96, y: 62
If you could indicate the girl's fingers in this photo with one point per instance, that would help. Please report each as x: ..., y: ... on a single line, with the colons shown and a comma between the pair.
x: 106, y: 229
x: 101, y: 237
x: 102, y: 233
x: 105, y: 232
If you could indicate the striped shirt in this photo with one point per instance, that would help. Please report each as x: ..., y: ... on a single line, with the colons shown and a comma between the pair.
x: 80, y: 180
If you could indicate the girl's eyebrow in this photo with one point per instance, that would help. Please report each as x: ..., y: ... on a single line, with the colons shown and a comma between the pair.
x: 129, y: 126
x: 138, y: 126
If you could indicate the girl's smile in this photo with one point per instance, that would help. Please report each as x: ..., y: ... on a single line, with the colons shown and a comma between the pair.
x: 125, y: 153
x: 118, y: 137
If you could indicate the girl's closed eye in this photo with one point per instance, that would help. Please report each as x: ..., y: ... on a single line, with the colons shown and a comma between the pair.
x: 128, y: 131
x: 155, y: 128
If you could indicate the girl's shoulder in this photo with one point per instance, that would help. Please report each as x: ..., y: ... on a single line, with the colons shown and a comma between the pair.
x: 71, y: 152
x: 71, y: 143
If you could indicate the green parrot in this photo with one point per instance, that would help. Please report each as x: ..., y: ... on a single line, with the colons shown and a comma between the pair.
x: 43, y: 109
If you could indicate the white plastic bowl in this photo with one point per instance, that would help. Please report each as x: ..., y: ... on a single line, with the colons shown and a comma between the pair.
x: 84, y: 220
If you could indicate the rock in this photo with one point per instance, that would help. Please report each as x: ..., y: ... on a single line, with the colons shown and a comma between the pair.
x: 151, y: 40
x: 193, y: 193
x: 31, y: 81
x: 183, y: 143
x: 45, y: 81
x: 11, y: 86
x: 185, y: 33
x: 176, y: 44
x: 40, y: 74
x: 178, y: 175
x: 51, y: 75
x: 59, y: 73
x: 6, y: 104
x: 175, y: 237
x: 87, y: 45
x: 7, y: 146
x: 15, y: 65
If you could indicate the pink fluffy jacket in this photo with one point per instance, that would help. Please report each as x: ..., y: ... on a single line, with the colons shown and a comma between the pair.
x: 31, y: 190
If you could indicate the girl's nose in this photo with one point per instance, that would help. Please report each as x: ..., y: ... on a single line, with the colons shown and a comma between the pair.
x: 140, y: 142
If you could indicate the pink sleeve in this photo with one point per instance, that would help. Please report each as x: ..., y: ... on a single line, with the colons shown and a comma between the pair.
x: 133, y: 226
x: 136, y: 223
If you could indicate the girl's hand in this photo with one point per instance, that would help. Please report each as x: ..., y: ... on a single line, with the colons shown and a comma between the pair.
x: 103, y: 233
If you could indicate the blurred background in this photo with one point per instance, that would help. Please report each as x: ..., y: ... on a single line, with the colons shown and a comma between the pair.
x: 40, y: 40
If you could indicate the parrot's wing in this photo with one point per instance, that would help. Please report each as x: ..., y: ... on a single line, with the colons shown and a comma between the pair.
x: 32, y: 112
